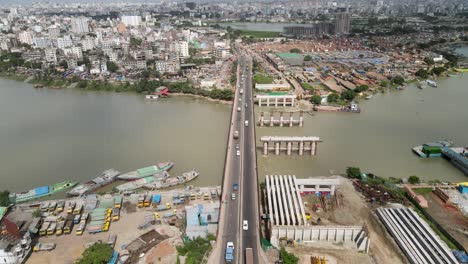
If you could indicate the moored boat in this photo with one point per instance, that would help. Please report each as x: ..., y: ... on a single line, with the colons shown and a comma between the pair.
x: 41, y: 191
x: 172, y: 181
x: 431, y: 83
x: 106, y: 177
x: 147, y: 171
x: 136, y: 184
x: 431, y: 149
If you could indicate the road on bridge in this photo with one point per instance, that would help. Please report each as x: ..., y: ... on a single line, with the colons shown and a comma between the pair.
x: 240, y: 168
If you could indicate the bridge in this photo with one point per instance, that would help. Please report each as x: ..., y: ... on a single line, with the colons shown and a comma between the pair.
x: 240, y: 168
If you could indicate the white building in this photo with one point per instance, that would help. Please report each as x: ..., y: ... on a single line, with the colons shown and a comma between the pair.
x: 64, y: 42
x: 4, y: 44
x: 79, y: 25
x: 53, y: 32
x: 75, y: 52
x: 103, y: 66
x: 88, y: 43
x: 183, y: 49
x: 131, y: 20
x: 72, y: 63
x: 42, y: 42
x: 50, y: 55
x: 25, y: 37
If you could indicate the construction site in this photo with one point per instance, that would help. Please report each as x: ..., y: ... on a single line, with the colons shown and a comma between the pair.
x: 324, y: 219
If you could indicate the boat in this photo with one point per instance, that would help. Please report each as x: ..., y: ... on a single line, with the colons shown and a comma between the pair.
x: 145, y: 172
x: 38, y: 86
x: 431, y: 83
x: 172, y: 181
x: 106, y: 177
x: 151, y: 97
x: 420, y: 86
x: 136, y: 184
x: 41, y: 191
x: 369, y: 96
x: 431, y: 149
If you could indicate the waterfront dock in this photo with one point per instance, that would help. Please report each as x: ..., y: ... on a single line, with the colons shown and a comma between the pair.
x: 458, y: 156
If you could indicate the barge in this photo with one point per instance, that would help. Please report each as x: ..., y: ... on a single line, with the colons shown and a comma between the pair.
x: 147, y: 171
x: 172, y: 181
x: 431, y: 149
x: 106, y: 177
x: 41, y: 191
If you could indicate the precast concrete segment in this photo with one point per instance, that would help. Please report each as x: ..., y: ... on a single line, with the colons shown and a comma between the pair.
x: 280, y: 200
x: 275, y: 203
x: 283, y: 195
x: 288, y: 194
x: 270, y: 206
x: 414, y: 236
x: 301, y: 204
x: 296, y: 205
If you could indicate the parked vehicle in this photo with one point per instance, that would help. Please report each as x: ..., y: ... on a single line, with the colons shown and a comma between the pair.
x: 44, y: 247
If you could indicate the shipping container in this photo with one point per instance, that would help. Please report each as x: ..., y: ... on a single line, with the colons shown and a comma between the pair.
x: 156, y: 199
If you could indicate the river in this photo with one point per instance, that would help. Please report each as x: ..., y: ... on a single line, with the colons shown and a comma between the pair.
x: 47, y: 135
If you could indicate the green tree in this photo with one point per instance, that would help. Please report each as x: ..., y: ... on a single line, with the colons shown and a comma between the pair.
x: 98, y: 253
x: 288, y: 258
x: 361, y: 88
x: 428, y: 61
x: 36, y: 213
x: 4, y: 200
x: 353, y: 172
x: 413, y: 179
x: 111, y: 66
x: 348, y: 95
x: 295, y: 50
x: 333, y: 97
x: 135, y: 42
x: 422, y: 73
x: 316, y: 99
x: 307, y: 58
x: 398, y: 80
x: 438, y: 70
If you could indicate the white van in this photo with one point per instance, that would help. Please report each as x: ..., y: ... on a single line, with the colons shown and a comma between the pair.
x: 246, y: 123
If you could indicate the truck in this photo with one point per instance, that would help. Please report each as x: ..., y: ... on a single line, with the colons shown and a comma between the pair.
x: 111, y: 240
x: 236, y: 134
x: 161, y: 207
x: 141, y: 200
x: 156, y: 199
x: 59, y: 229
x: 44, y: 227
x: 117, y: 201
x: 246, y: 123
x: 249, y: 256
x: 147, y: 200
x: 44, y: 247
x: 229, y: 256
x: 241, y: 91
x: 68, y: 226
x: 71, y: 207
x: 60, y: 206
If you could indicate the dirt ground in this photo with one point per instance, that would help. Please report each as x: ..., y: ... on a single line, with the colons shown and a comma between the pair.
x: 449, y: 217
x: 353, y: 210
x: 333, y: 255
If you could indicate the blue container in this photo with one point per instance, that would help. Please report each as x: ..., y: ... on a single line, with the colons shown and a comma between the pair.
x: 156, y: 198
x: 42, y: 190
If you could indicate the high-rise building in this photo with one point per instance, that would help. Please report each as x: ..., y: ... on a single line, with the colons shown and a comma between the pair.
x: 131, y: 20
x: 50, y: 55
x: 342, y: 23
x: 25, y: 37
x: 79, y: 25
x: 313, y: 30
x: 64, y: 42
x: 183, y: 49
x: 53, y: 32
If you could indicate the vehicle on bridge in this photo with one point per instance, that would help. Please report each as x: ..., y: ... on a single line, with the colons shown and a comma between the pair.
x: 229, y: 257
x: 236, y: 134
x: 249, y: 256
x: 238, y: 152
x: 246, y: 123
x: 245, y: 225
x: 235, y: 186
x: 233, y: 196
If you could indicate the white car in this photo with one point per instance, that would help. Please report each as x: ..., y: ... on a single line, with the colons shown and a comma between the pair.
x: 233, y: 196
x: 238, y: 109
x: 238, y: 152
x: 245, y: 225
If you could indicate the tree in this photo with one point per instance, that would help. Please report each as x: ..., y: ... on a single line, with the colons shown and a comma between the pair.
x: 413, y: 179
x: 36, y: 213
x: 348, y: 95
x: 288, y: 258
x: 98, y: 253
x: 361, y: 88
x: 429, y: 61
x: 353, y: 172
x: 295, y: 50
x: 135, y: 42
x: 307, y: 58
x: 438, y: 70
x: 398, y: 80
x: 333, y: 97
x: 111, y: 66
x: 316, y: 99
x: 422, y: 73
x: 4, y: 199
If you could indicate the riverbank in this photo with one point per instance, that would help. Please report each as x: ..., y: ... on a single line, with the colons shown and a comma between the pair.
x: 143, y: 86
x: 204, y: 97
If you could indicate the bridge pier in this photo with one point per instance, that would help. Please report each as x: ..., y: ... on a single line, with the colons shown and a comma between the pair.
x: 282, y: 121
x: 301, y: 119
x: 302, y: 145
x: 262, y: 120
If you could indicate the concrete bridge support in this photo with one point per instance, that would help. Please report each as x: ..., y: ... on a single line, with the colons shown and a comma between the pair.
x: 300, y: 144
